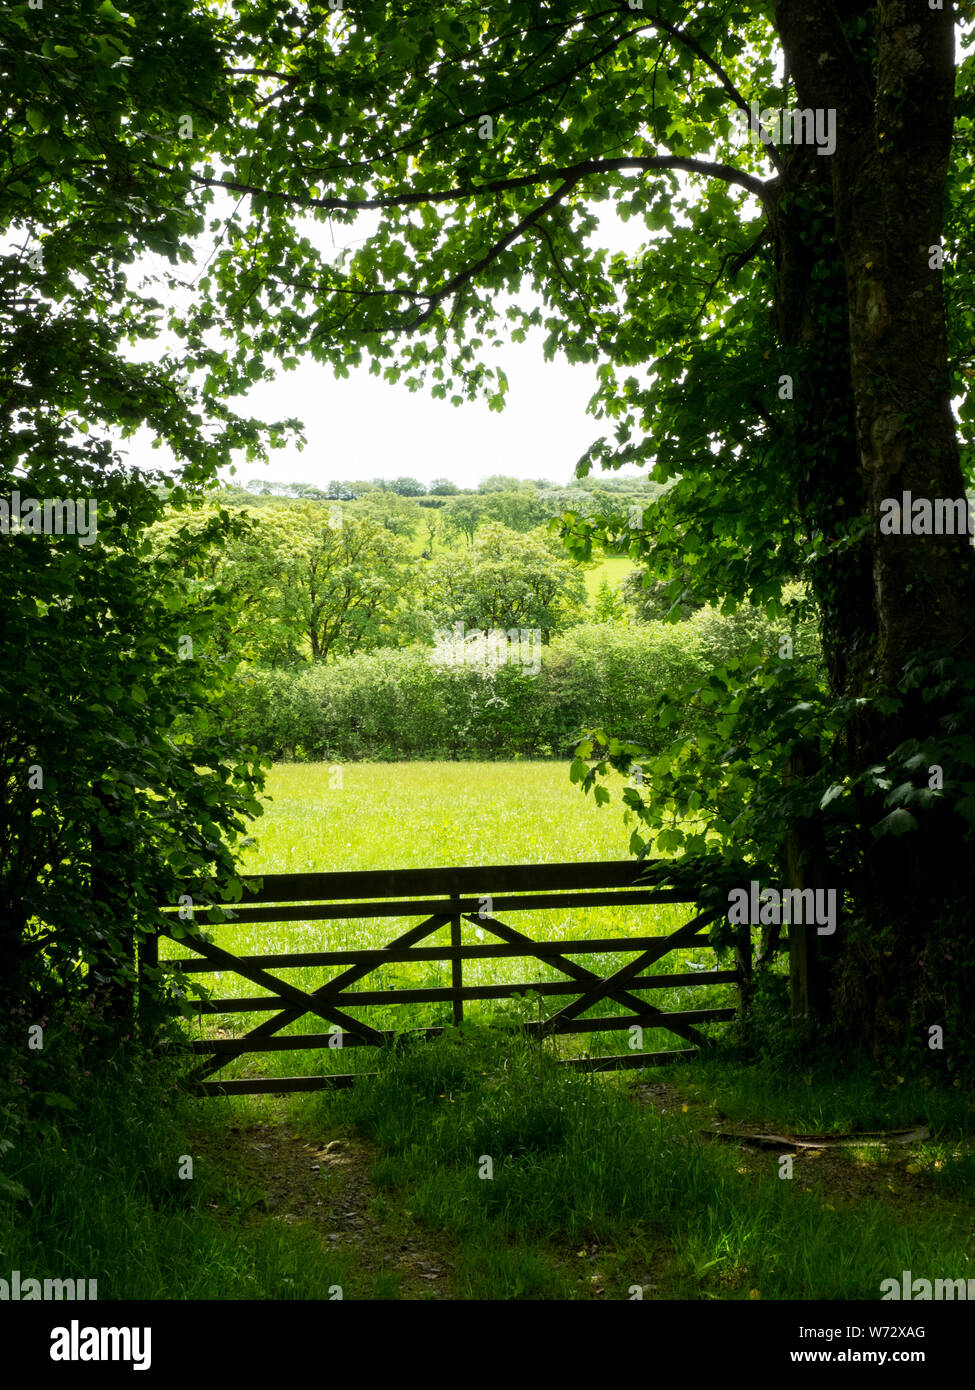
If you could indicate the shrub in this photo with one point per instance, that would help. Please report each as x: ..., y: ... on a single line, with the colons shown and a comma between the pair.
x: 397, y: 703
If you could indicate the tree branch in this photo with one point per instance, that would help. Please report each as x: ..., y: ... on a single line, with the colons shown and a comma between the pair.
x: 733, y: 264
x: 499, y: 247
x: 547, y: 173
x: 693, y: 46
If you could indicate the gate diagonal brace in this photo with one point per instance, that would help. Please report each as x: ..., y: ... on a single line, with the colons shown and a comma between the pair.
x: 589, y: 977
x: 612, y: 983
x: 324, y: 992
x: 263, y: 977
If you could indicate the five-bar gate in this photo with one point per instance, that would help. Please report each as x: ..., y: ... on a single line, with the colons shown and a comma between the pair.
x: 448, y: 897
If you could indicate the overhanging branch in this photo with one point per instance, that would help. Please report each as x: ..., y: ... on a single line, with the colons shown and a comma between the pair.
x: 547, y: 173
x: 464, y: 276
x: 693, y: 46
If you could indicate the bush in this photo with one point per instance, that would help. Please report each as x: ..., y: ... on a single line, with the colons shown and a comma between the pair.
x: 397, y: 703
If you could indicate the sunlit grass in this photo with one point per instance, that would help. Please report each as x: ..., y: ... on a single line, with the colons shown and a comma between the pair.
x: 416, y: 815
x: 611, y: 569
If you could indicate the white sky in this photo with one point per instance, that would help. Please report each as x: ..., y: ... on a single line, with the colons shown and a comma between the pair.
x: 361, y: 427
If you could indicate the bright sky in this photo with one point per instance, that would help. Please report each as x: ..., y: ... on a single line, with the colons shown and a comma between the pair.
x: 361, y: 427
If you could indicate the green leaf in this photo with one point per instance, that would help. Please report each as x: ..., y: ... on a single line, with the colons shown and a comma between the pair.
x: 58, y: 1101
x: 897, y: 823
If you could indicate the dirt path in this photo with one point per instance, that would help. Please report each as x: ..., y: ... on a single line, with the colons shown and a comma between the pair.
x: 328, y: 1187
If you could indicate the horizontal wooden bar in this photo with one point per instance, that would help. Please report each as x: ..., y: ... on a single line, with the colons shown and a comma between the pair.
x: 308, y: 1042
x: 276, y: 1086
x: 405, y: 883
x: 612, y: 1022
x: 351, y: 998
x: 304, y: 1042
x: 627, y: 1061
x: 384, y: 955
x: 417, y: 907
x: 285, y: 1085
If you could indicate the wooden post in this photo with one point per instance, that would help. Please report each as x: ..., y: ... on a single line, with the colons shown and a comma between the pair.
x: 743, y: 962
x: 148, y: 1011
x: 806, y: 867
x: 456, y: 968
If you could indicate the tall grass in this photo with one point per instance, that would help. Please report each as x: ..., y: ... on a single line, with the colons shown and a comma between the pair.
x: 108, y: 1197
x: 576, y: 1164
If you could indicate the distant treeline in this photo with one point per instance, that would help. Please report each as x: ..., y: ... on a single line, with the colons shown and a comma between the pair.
x: 437, y: 491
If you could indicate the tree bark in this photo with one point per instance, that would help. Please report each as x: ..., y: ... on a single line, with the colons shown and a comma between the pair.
x: 896, y: 597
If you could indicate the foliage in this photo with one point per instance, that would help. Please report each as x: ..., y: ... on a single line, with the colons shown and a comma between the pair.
x: 104, y: 809
x: 718, y: 800
x: 103, y: 651
x: 462, y: 516
x: 609, y: 605
x: 308, y: 580
x: 400, y: 704
x: 656, y: 600
x: 397, y: 512
x: 506, y: 581
x: 407, y: 487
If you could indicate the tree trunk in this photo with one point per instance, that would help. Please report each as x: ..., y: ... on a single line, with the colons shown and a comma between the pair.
x: 906, y: 596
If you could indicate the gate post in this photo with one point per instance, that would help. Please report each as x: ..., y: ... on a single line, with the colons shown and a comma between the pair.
x: 456, y: 965
x: 743, y: 963
x: 805, y: 859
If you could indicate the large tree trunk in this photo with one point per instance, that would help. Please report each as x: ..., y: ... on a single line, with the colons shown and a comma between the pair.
x: 904, y: 596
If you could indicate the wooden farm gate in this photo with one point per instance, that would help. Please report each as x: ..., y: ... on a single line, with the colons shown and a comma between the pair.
x: 484, y: 897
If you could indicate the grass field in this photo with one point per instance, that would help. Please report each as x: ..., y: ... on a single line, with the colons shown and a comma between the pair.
x: 612, y: 569
x: 413, y: 815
